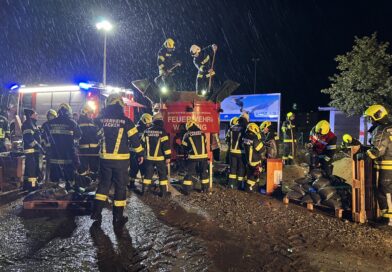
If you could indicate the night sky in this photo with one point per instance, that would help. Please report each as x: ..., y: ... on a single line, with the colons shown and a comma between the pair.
x: 55, y: 41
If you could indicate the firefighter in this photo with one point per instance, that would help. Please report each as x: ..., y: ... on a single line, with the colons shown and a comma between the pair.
x: 88, y: 143
x: 117, y: 132
x: 166, y: 65
x: 50, y: 115
x: 237, y: 154
x: 5, y: 135
x: 63, y: 133
x: 156, y: 142
x: 289, y: 139
x: 269, y: 138
x: 195, y: 145
x: 233, y: 122
x: 349, y: 141
x: 253, y: 147
x: 144, y: 123
x: 381, y: 153
x: 323, y: 147
x: 32, y: 149
x: 203, y: 60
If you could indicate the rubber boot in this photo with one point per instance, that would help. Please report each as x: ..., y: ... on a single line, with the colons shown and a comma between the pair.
x: 205, y: 188
x: 163, y: 190
x: 97, y: 211
x: 145, y: 188
x: 131, y: 185
x: 119, y: 219
x: 186, y: 189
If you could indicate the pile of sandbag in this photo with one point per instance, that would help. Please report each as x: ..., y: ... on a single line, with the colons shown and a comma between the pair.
x: 317, y: 189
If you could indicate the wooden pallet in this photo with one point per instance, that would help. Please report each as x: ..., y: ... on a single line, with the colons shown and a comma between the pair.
x: 311, y: 206
x: 56, y: 205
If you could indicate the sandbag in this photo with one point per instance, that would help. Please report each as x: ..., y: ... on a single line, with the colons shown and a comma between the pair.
x: 298, y: 188
x: 327, y: 192
x: 316, y: 198
x: 321, y: 183
x: 333, y: 203
x: 294, y: 195
x: 303, y: 181
x: 316, y: 173
x: 307, y: 199
x: 308, y: 188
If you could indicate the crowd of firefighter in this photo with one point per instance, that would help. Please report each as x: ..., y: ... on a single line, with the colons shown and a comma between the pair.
x: 114, y: 150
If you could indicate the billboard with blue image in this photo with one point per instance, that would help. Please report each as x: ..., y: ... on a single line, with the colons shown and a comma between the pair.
x: 261, y: 107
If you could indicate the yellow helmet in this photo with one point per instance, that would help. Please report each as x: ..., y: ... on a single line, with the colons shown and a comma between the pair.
x: 376, y: 112
x: 347, y: 138
x: 253, y: 128
x: 146, y: 118
x: 234, y: 121
x: 65, y: 107
x: 87, y: 109
x: 190, y: 123
x: 51, y: 114
x: 114, y: 99
x: 322, y: 127
x: 265, y: 124
x: 169, y: 43
x: 195, y: 49
x: 289, y: 115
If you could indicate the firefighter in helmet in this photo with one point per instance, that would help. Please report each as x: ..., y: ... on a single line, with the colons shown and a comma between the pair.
x: 50, y: 115
x: 233, y: 122
x: 253, y: 147
x: 349, y: 141
x: 88, y: 143
x: 5, y: 134
x: 289, y: 139
x: 195, y: 145
x: 237, y: 154
x: 117, y: 133
x: 166, y: 65
x: 381, y: 153
x: 203, y: 60
x: 158, y: 154
x: 269, y: 138
x: 32, y: 149
x: 323, y: 147
x: 63, y: 133
x: 144, y: 123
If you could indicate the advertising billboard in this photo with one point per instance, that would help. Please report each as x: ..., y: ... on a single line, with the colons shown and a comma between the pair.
x: 261, y: 107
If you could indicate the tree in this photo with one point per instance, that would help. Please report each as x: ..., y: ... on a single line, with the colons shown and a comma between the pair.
x: 363, y: 77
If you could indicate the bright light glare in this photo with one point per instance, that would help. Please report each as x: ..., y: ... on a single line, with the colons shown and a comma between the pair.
x: 112, y: 89
x: 104, y: 25
x: 85, y: 86
x: 48, y: 89
x: 92, y: 105
x: 14, y: 87
x: 164, y: 90
x: 203, y: 92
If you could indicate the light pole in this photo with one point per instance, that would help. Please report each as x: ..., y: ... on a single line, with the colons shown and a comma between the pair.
x: 255, y: 60
x: 105, y: 26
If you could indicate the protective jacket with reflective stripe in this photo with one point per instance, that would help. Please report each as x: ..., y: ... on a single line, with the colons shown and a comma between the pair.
x: 381, y: 150
x: 195, y: 144
x: 289, y: 131
x: 204, y: 61
x: 89, y: 142
x: 4, y: 128
x: 324, y: 144
x: 118, y: 134
x: 63, y: 133
x: 253, y: 147
x: 31, y: 136
x: 237, y: 132
x: 165, y: 60
x: 156, y: 142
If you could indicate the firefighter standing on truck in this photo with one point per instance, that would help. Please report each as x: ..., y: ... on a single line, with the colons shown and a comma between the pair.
x: 118, y: 133
x: 202, y: 59
x: 166, y: 62
x: 158, y: 153
x: 323, y: 147
x: 289, y: 139
x: 50, y: 115
x: 381, y: 153
x: 237, y: 154
x: 32, y: 149
x: 195, y: 146
x: 144, y: 123
x: 253, y: 147
x: 5, y: 134
x: 88, y: 143
x: 63, y: 133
